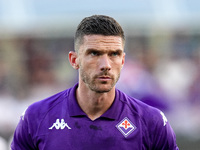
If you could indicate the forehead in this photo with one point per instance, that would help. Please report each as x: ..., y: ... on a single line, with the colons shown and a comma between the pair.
x: 101, y: 42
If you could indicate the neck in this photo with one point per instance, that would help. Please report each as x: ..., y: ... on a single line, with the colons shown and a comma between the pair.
x: 92, y: 103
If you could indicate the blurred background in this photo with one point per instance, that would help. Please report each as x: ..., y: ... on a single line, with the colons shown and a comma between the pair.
x: 162, y: 65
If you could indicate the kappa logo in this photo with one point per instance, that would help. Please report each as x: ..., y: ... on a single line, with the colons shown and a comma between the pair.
x: 59, y: 125
x: 126, y: 127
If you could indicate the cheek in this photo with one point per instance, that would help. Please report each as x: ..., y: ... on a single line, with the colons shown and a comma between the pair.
x: 88, y: 66
x: 118, y: 65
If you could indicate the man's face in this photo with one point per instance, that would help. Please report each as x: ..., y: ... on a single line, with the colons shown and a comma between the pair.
x: 100, y: 61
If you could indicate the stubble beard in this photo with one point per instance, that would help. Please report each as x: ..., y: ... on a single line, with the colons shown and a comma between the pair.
x: 95, y: 85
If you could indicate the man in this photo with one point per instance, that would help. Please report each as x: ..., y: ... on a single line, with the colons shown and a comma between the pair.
x: 94, y: 115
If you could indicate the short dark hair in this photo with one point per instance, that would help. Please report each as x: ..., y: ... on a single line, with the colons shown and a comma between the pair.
x: 98, y: 25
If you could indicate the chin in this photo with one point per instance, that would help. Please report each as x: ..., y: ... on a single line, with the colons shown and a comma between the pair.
x: 102, y: 89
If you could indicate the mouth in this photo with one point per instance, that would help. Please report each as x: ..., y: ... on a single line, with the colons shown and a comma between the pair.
x: 104, y: 78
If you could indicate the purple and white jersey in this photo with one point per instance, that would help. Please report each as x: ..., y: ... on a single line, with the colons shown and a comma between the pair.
x: 58, y: 123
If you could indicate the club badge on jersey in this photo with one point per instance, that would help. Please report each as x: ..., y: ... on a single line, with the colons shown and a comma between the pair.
x: 126, y: 127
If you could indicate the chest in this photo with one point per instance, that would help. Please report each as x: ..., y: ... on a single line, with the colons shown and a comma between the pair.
x: 80, y: 133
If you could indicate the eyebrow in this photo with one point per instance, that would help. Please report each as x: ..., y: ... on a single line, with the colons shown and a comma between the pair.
x: 102, y: 51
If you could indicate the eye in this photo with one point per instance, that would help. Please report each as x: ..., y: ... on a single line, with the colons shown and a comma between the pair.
x: 94, y: 53
x: 115, y: 53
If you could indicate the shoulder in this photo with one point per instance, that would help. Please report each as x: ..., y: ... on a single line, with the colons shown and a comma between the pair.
x: 146, y: 113
x: 39, y: 109
x: 153, y: 121
x: 37, y: 114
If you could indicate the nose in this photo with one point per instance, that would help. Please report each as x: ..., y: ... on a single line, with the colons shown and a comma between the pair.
x: 105, y: 63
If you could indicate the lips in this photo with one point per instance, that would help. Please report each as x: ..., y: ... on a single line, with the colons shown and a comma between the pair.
x: 104, y: 77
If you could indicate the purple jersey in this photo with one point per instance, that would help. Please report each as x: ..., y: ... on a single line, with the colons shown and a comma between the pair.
x: 58, y: 123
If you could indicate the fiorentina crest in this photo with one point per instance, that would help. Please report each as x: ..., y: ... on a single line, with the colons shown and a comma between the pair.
x: 126, y: 127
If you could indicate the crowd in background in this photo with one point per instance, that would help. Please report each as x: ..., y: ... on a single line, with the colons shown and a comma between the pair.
x: 163, y: 70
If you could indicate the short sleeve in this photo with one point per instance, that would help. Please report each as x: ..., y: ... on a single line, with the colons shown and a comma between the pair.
x: 164, y: 137
x: 22, y: 138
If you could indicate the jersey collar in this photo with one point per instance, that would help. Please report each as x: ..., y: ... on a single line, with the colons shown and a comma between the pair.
x: 75, y: 111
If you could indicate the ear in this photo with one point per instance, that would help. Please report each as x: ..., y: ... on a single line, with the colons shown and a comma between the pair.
x: 73, y: 59
x: 123, y: 59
